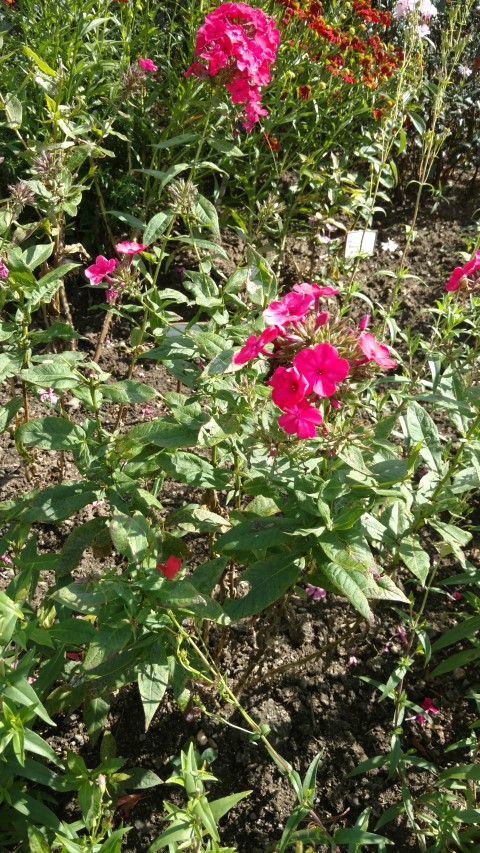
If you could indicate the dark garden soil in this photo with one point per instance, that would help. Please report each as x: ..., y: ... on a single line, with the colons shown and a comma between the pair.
x: 322, y: 706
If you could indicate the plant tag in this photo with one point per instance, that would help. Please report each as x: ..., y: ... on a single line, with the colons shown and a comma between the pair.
x: 360, y: 243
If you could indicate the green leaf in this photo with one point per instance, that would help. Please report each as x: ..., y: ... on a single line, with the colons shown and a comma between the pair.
x: 50, y: 434
x: 14, y: 111
x: 40, y: 63
x: 139, y: 778
x: 345, y: 583
x: 52, y: 504
x: 206, y: 214
x: 460, y: 659
x: 220, y: 807
x: 113, y: 844
x: 109, y: 640
x: 460, y: 771
x: 181, y: 139
x: 467, y: 629
x: 76, y: 543
x: 160, y: 432
x: 414, y: 557
x: 353, y: 835
x: 36, y: 255
x: 8, y: 412
x: 130, y: 535
x: 195, y: 470
x: 153, y: 680
x: 157, y: 225
x: 257, y: 535
x: 95, y: 715
x: 183, y: 595
x: 127, y: 391
x: 420, y: 427
x: 269, y: 579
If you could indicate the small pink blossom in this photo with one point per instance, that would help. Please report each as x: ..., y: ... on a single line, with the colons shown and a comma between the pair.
x: 147, y: 411
x: 4, y: 273
x: 400, y: 633
x: 322, y: 319
x: 317, y: 593
x: 147, y: 64
x: 254, y: 346
x: 301, y: 420
x: 289, y: 387
x: 460, y: 275
x: 110, y: 296
x: 130, y: 247
x: 353, y: 661
x: 375, y: 351
x: 315, y: 289
x: 48, y: 396
x: 102, y: 268
x: 4, y: 558
x: 171, y: 567
x: 456, y: 596
x: 419, y: 718
x: 364, y: 322
x: 322, y: 367
x: 291, y: 309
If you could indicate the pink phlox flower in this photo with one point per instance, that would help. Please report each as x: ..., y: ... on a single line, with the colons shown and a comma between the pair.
x: 291, y: 309
x: 130, y: 247
x: 47, y: 396
x: 4, y: 272
x: 469, y: 269
x: 147, y: 411
x: 364, y: 322
x: 111, y: 295
x: 428, y: 706
x: 301, y: 420
x: 322, y: 319
x: 4, y: 558
x: 315, y: 289
x: 456, y: 596
x: 335, y: 404
x: 419, y: 718
x: 317, y: 593
x: 255, y: 345
x: 147, y: 64
x: 171, y: 567
x: 289, y: 387
x: 423, y: 30
x: 322, y: 367
x: 427, y: 9
x: 353, y: 661
x: 375, y: 351
x: 102, y: 268
x: 400, y: 633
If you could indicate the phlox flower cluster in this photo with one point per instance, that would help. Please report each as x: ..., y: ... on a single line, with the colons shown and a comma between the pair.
x: 466, y: 278
x: 237, y: 45
x: 424, y: 8
x: 112, y: 271
x: 315, y: 355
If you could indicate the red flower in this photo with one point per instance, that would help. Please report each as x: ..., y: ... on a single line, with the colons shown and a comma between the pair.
x: 171, y: 567
x: 304, y: 92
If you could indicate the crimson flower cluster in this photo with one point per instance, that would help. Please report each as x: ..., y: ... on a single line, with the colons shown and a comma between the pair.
x: 237, y: 45
x: 103, y: 270
x: 312, y: 353
x: 466, y: 278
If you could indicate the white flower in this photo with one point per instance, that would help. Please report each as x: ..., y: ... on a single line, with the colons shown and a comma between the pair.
x: 47, y: 396
x: 389, y: 246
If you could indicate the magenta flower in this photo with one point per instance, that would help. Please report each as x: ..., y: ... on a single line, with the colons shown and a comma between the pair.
x: 171, y: 567
x: 428, y: 706
x: 322, y: 319
x: 130, y: 247
x: 364, y: 322
x: 315, y: 592
x: 420, y: 719
x: 289, y: 387
x: 291, y: 309
x: 315, y: 289
x: 456, y: 596
x: 375, y: 351
x: 4, y: 273
x: 470, y: 268
x: 147, y: 64
x: 100, y: 269
x: 254, y: 346
x: 322, y: 367
x: 302, y: 420
x: 4, y: 558
x: 110, y: 296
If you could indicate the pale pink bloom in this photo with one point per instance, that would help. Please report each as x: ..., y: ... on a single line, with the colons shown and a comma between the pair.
x: 254, y: 346
x: 389, y: 246
x: 317, y: 593
x: 471, y: 268
x: 4, y: 273
x: 289, y: 387
x: 102, y: 782
x: 147, y: 64
x: 47, y: 396
x: 400, y: 633
x: 375, y: 351
x: 427, y: 9
x: 315, y: 289
x: 102, y: 268
x: 301, y: 420
x: 4, y: 558
x: 364, y: 322
x: 291, y: 309
x: 130, y: 247
x: 111, y: 295
x: 353, y: 661
x: 322, y: 367
x: 147, y: 411
x: 423, y: 30
x: 171, y: 567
